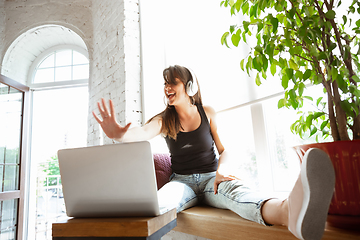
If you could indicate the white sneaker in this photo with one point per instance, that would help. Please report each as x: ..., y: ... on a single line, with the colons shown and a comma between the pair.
x: 310, y: 198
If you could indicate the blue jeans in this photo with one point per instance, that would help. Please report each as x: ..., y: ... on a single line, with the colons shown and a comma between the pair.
x: 185, y: 191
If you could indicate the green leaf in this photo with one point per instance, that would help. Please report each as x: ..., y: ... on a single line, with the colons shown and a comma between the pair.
x: 281, y: 103
x: 274, y: 23
x: 289, y: 72
x: 223, y: 39
x: 307, y: 74
x: 256, y: 63
x: 313, y: 131
x: 238, y: 5
x: 292, y: 94
x: 332, y: 46
x: 318, y: 114
x: 341, y: 83
x: 258, y: 49
x: 265, y: 62
x: 285, y: 81
x: 273, y: 68
x: 246, y: 26
x: 323, y: 125
x: 245, y: 8
x: 344, y: 19
x: 357, y: 23
x: 242, y: 64
x: 330, y: 14
x: 249, y: 65
x: 346, y: 106
x: 308, y: 97
x: 257, y: 80
x: 309, y: 120
x: 334, y: 73
x: 293, y: 65
x: 263, y: 74
x: 244, y: 36
x: 356, y: 78
x: 318, y: 101
x: 301, y: 89
x: 235, y: 39
x: 260, y: 26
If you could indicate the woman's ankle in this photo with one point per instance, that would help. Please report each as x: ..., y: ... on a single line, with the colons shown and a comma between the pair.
x: 275, y: 212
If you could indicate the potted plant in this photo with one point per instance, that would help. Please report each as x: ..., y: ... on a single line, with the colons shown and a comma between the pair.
x: 311, y: 42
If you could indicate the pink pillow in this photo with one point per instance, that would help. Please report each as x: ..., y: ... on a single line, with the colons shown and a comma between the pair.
x: 163, y: 169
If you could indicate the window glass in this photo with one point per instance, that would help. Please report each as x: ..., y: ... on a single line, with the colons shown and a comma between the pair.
x: 11, y: 177
x: 62, y: 74
x: 79, y: 58
x: 284, y: 161
x: 10, y: 137
x: 62, y: 65
x: 48, y: 62
x: 81, y: 72
x: 8, y: 213
x: 59, y: 121
x: 236, y: 134
x: 63, y: 58
x: 44, y: 75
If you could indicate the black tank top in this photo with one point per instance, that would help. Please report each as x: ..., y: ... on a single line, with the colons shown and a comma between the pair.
x: 193, y: 152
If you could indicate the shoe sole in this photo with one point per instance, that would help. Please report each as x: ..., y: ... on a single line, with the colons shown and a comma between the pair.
x: 318, y: 179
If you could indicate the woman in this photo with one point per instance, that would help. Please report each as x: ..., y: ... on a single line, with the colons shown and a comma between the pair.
x: 190, y: 131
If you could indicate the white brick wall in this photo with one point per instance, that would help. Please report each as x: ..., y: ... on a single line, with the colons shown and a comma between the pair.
x: 22, y: 16
x: 116, y: 63
x: 2, y: 31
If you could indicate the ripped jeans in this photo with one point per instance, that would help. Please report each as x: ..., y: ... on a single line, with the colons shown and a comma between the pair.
x: 185, y: 191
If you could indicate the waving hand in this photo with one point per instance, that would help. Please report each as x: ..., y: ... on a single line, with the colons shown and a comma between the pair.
x: 108, y: 123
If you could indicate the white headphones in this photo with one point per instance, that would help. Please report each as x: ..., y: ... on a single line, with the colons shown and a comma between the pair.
x: 191, y: 86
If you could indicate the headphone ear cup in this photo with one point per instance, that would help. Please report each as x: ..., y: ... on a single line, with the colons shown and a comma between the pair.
x: 191, y: 88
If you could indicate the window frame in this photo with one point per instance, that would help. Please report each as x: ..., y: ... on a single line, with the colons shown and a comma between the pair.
x: 59, y: 84
x: 34, y: 87
x: 23, y: 161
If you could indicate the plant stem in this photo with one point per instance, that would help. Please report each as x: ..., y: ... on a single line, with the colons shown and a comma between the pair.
x: 340, y: 113
x: 333, y: 126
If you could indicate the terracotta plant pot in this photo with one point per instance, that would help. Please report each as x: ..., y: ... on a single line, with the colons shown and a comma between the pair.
x: 344, y: 211
x: 345, y: 156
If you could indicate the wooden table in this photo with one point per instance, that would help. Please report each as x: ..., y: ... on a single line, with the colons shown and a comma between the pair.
x: 133, y: 228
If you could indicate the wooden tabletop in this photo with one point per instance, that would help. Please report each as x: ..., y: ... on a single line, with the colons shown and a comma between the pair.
x: 112, y: 227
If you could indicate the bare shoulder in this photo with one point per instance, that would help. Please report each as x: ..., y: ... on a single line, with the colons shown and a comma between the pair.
x: 210, y: 112
x: 157, y: 119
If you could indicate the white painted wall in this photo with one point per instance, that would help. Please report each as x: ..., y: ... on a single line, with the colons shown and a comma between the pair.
x: 116, y: 64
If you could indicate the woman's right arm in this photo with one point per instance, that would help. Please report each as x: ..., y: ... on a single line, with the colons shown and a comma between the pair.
x: 119, y: 133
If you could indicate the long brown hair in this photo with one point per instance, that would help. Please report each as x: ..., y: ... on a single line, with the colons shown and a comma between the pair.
x: 170, y: 120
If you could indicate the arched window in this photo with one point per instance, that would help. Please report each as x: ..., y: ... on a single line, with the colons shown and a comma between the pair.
x: 59, y: 65
x: 62, y: 65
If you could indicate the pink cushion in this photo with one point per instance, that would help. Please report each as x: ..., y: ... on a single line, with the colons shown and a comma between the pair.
x: 163, y: 169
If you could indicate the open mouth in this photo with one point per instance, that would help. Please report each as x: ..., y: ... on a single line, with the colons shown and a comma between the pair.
x: 170, y: 96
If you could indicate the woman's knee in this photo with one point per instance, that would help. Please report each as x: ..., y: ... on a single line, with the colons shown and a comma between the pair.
x: 176, y: 194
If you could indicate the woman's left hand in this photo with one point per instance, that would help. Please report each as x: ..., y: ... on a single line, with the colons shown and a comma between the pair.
x: 222, y: 177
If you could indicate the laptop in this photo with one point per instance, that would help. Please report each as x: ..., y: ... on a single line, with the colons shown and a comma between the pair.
x: 116, y: 180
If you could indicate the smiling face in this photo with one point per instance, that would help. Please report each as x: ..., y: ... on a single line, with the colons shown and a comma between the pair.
x: 176, y: 77
x: 175, y: 92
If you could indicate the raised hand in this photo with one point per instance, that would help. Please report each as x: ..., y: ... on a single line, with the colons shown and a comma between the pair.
x: 111, y: 128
